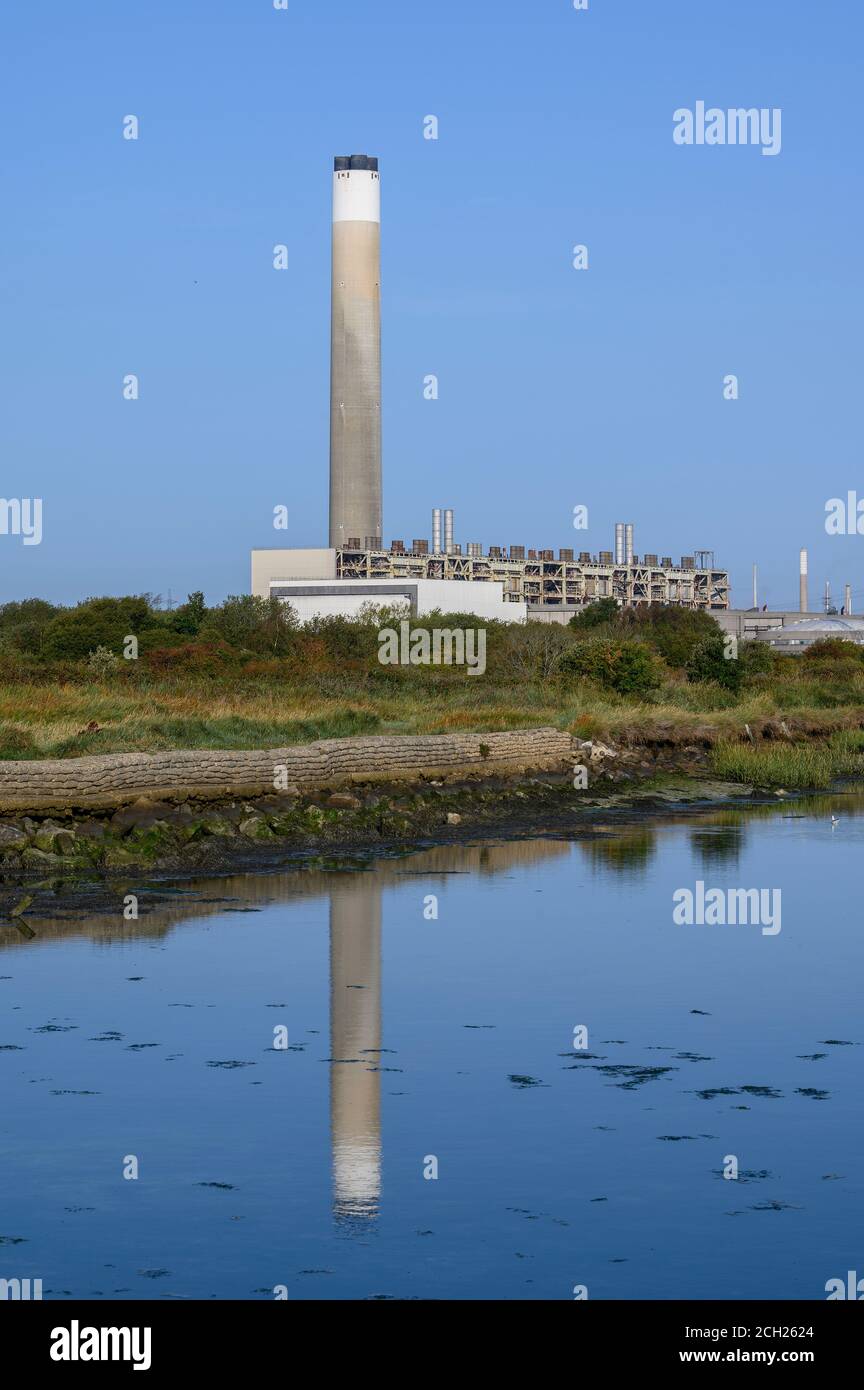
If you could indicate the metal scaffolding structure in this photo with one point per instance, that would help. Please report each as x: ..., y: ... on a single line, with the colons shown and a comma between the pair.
x: 542, y: 581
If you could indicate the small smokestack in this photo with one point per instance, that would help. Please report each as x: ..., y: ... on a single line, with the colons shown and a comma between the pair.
x: 803, y: 582
x: 755, y: 594
x: 847, y: 600
x: 436, y: 530
x: 620, y: 552
x: 448, y: 531
x: 628, y: 543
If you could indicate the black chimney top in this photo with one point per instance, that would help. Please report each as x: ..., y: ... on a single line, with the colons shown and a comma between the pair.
x: 344, y: 162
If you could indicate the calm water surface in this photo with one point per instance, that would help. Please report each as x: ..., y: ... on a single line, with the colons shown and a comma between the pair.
x: 412, y: 1038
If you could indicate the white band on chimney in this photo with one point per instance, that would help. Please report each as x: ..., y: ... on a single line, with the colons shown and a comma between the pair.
x: 356, y: 196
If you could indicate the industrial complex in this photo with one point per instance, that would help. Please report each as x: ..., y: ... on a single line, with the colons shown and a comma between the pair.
x: 356, y: 568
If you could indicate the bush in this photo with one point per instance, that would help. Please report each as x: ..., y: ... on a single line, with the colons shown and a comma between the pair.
x: 347, y: 642
x: 97, y: 622
x: 102, y: 661
x: 23, y: 624
x: 252, y: 624
x: 604, y: 610
x: 628, y: 667
x: 531, y: 652
x: 833, y: 651
x: 673, y: 632
x: 709, y: 662
x: 188, y: 618
x: 192, y: 659
x: 756, y: 659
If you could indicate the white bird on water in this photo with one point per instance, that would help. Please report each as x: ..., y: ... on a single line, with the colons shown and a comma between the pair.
x: 834, y: 821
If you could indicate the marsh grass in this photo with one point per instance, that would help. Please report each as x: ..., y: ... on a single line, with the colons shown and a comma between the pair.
x: 790, y: 765
x: 43, y: 720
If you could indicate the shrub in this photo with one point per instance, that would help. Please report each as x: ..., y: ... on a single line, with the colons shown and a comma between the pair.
x: 97, y: 622
x: 756, y: 659
x: 252, y: 624
x: 709, y: 662
x: 531, y: 652
x: 188, y: 618
x: 346, y: 641
x: 23, y: 624
x: 604, y: 610
x: 673, y: 632
x: 101, y: 661
x: 192, y: 659
x: 628, y: 667
x: 832, y: 651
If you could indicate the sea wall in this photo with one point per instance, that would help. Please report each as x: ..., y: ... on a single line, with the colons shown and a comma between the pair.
x: 115, y: 778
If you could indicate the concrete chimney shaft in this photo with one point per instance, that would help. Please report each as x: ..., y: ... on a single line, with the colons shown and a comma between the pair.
x: 355, y: 352
x: 802, y: 587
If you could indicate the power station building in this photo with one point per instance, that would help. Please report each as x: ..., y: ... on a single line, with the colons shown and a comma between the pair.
x: 356, y: 568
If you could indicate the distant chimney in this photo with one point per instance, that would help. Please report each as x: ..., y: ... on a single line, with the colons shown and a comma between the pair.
x: 448, y: 531
x: 802, y: 581
x: 436, y: 530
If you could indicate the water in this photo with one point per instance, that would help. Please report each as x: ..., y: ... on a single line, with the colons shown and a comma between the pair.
x: 412, y: 1038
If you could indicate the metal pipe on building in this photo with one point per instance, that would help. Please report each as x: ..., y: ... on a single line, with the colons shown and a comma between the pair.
x: 448, y: 531
x: 436, y: 530
x: 802, y: 582
x: 628, y: 543
x: 620, y: 552
x: 355, y: 351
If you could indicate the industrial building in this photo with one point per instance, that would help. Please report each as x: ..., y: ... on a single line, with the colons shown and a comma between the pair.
x: 792, y: 630
x: 507, y: 582
x: 794, y: 638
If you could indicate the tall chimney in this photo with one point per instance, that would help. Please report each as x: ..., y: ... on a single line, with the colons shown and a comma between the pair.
x: 803, y: 582
x: 620, y: 552
x: 755, y: 592
x: 355, y: 351
x: 448, y: 530
x: 436, y: 530
x: 847, y: 600
x: 628, y: 542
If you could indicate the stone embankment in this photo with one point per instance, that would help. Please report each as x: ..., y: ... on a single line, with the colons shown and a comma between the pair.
x: 186, y: 812
x: 210, y: 774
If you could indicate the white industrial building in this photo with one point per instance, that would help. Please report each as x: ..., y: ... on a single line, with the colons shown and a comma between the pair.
x: 307, y: 581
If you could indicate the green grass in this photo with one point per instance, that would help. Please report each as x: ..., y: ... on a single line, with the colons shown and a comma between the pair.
x: 794, y: 766
x: 231, y: 731
x: 150, y: 714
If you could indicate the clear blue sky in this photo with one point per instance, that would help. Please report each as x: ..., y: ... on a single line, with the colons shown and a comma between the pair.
x: 557, y: 387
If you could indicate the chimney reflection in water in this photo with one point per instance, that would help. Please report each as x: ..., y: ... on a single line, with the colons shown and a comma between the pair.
x: 355, y: 1040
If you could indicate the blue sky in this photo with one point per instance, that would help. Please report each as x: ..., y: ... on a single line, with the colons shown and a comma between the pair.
x: 557, y: 387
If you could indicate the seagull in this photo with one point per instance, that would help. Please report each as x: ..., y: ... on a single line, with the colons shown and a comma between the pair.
x: 834, y: 821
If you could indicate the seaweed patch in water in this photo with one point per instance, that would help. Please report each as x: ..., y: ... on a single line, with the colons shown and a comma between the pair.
x: 633, y: 1075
